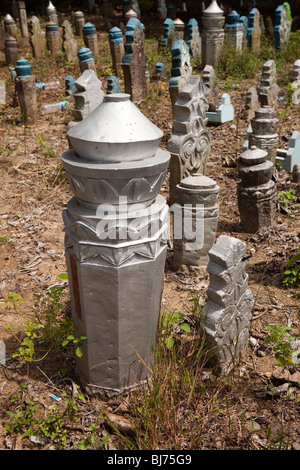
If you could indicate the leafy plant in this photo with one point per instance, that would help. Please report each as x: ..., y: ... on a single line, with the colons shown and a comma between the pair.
x: 91, y: 441
x: 170, y: 320
x: 282, y: 343
x: 52, y: 425
x: 47, y: 328
x: 47, y: 150
x: 292, y: 274
x: 4, y: 240
x: 287, y: 196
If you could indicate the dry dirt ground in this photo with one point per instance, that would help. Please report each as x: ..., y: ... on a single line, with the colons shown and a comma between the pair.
x: 33, y: 194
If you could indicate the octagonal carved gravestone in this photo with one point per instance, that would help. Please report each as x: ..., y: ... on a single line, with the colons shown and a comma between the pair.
x: 115, y: 241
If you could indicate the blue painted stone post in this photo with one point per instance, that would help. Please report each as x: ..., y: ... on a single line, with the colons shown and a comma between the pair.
x: 112, y: 85
x: 281, y: 28
x: 134, y: 61
x: 254, y: 30
x: 86, y: 60
x: 117, y: 49
x: 180, y: 71
x: 26, y: 91
x: 234, y: 31
x: 52, y: 37
x: 90, y: 38
x: 168, y: 34
x: 193, y: 38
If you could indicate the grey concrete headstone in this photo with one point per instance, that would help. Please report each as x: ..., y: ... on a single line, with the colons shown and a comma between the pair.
x: 2, y: 92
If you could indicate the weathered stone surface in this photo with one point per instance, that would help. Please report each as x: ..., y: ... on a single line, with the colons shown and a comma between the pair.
x: 268, y: 89
x: 23, y: 19
x: 257, y: 192
x: 134, y: 61
x: 223, y: 113
x: 162, y: 9
x: 37, y: 37
x: 69, y: 43
x: 86, y: 59
x: 179, y: 29
x: 2, y: 92
x: 226, y: 315
x: 281, y: 28
x: 193, y: 38
x: 11, y: 50
x: 212, y: 34
x: 234, y: 31
x: 90, y: 37
x: 189, y: 144
x: 168, y: 34
x: 251, y: 103
x: 2, y: 353
x: 88, y: 96
x: 52, y: 38
x: 51, y: 12
x: 117, y: 49
x: 254, y: 30
x: 195, y: 221
x: 26, y: 92
x: 10, y: 26
x: 79, y: 22
x: 181, y: 70
x: 264, y: 131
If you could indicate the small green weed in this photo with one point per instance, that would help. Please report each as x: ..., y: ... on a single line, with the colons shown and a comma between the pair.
x: 282, y: 343
x: 170, y: 320
x: 286, y: 196
x: 292, y: 274
x: 47, y: 150
x: 53, y: 425
x: 4, y: 241
x: 46, y: 329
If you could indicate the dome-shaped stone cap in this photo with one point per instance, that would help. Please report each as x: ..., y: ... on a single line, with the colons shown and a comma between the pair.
x: 115, y: 131
x: 213, y: 9
x: 253, y: 156
x: 198, y: 181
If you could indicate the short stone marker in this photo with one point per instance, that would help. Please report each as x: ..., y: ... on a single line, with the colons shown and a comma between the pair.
x: 26, y: 91
x: 226, y: 315
x: 291, y: 157
x: 10, y: 26
x: 181, y: 70
x: 69, y: 43
x: 195, y: 222
x: 134, y: 61
x: 2, y: 92
x: 257, y: 192
x: 268, y: 89
x: 251, y: 103
x: 281, y: 28
x: 254, y: 30
x: 37, y: 38
x: 88, y: 96
x: 223, y: 113
x: 117, y: 49
x: 11, y: 50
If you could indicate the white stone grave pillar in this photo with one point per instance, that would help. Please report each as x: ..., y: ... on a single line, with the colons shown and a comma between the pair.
x: 115, y: 241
